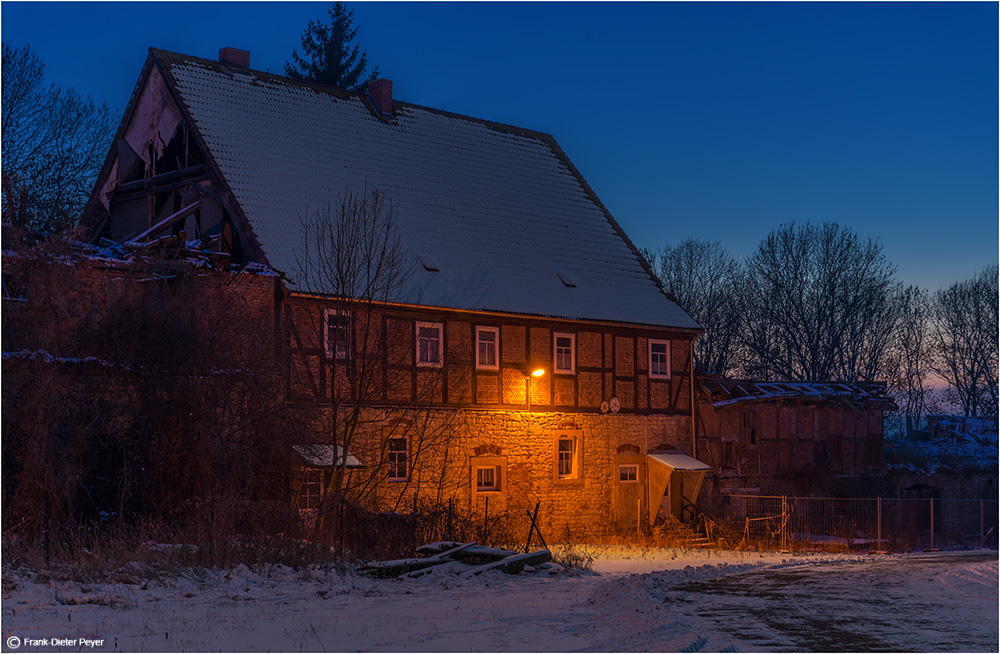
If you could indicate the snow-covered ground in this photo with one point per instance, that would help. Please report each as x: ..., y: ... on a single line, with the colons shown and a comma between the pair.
x: 634, y: 600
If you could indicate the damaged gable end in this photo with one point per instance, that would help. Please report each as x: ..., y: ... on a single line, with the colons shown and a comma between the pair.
x: 158, y: 179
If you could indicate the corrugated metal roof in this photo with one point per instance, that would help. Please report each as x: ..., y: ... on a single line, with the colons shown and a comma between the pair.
x: 499, y: 209
x: 321, y: 456
x: 677, y: 461
x: 722, y: 391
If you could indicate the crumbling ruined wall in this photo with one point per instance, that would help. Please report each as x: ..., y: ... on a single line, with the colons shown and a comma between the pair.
x: 139, y: 387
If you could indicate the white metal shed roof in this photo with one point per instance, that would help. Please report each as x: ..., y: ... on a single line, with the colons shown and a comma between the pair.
x: 678, y: 461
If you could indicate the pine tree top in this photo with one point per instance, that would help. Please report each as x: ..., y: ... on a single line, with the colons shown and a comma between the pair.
x: 329, y: 54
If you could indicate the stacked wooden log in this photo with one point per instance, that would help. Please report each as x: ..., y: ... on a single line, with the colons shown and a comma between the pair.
x: 472, y: 560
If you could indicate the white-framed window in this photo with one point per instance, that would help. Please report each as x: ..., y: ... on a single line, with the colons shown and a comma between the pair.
x: 566, y: 457
x: 429, y: 344
x: 659, y: 359
x: 488, y: 475
x: 628, y: 473
x: 487, y: 479
x: 337, y: 333
x: 311, y: 491
x: 567, y: 454
x: 397, y: 459
x: 564, y: 351
x: 487, y: 348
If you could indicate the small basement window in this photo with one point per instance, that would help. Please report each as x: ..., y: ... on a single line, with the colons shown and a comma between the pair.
x: 486, y: 479
x: 628, y: 473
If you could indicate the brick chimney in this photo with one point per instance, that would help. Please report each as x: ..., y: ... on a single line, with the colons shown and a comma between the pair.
x: 234, y: 58
x: 380, y: 91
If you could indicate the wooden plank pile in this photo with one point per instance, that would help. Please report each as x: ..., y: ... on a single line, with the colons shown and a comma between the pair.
x: 471, y: 560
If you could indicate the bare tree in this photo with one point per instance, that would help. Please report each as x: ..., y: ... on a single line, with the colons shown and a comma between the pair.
x: 819, y: 305
x: 965, y: 341
x: 909, y: 363
x: 54, y: 141
x: 352, y: 255
x: 708, y: 283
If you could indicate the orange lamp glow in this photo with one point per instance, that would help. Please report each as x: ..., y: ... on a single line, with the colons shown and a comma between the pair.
x: 538, y: 373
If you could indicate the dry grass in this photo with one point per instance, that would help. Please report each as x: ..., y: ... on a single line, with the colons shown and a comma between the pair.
x: 145, y: 551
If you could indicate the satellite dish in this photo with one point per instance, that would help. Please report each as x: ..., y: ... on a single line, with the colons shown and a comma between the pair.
x: 615, y: 404
x: 605, y: 407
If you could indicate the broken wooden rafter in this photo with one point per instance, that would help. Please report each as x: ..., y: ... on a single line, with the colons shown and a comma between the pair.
x: 512, y: 565
x: 193, y: 183
x: 469, y: 558
x: 162, y: 179
x: 168, y: 221
x: 401, y: 567
x: 474, y: 554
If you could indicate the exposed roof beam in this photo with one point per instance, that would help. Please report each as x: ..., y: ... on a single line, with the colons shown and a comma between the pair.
x: 169, y: 220
x: 161, y: 179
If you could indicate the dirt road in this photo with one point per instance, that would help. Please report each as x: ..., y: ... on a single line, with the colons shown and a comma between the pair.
x: 924, y: 603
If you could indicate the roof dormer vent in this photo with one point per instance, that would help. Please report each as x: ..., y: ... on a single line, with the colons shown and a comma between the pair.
x: 429, y: 263
x: 234, y: 58
x: 380, y: 91
x: 568, y: 280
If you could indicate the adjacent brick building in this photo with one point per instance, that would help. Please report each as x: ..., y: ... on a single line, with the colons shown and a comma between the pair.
x: 788, y: 437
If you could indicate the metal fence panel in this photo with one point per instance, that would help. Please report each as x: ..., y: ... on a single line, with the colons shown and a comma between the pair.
x: 869, y: 524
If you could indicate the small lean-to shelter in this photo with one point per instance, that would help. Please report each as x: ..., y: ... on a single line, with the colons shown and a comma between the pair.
x: 675, y: 480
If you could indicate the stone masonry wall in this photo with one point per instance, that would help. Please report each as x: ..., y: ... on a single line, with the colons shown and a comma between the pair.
x: 445, y: 447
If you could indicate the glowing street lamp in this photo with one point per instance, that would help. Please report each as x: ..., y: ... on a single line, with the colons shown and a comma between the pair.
x: 537, y: 372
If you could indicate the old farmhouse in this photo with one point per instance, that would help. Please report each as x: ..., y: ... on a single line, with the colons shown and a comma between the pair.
x: 460, y: 317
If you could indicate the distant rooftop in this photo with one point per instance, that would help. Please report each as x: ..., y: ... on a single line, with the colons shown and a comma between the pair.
x: 722, y: 391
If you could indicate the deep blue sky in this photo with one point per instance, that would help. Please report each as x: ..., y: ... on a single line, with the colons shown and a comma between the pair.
x: 706, y: 120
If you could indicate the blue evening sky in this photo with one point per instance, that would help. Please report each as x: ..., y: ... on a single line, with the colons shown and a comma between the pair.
x: 707, y: 120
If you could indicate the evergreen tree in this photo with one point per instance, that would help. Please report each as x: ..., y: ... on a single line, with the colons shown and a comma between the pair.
x: 329, y: 54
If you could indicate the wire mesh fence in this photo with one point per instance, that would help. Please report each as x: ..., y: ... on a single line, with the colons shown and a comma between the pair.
x: 889, y: 524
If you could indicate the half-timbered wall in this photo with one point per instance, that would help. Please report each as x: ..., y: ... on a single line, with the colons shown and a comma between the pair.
x: 610, y: 362
x: 458, y: 418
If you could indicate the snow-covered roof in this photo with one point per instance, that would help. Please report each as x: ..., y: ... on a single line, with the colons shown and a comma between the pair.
x: 320, y: 455
x: 501, y: 211
x: 979, y: 430
x: 722, y: 391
